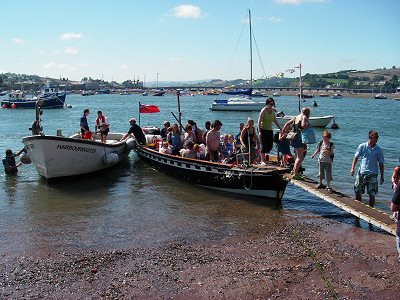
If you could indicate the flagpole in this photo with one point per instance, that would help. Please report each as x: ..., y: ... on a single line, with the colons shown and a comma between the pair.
x: 179, y: 109
x: 301, y: 91
x: 139, y: 114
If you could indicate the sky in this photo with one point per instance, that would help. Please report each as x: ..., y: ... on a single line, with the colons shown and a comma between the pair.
x: 172, y: 40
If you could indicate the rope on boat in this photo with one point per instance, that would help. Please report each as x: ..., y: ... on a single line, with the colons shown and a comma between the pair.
x: 245, y: 167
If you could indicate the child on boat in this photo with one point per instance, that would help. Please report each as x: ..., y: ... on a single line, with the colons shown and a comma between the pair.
x: 325, y: 149
x: 165, y: 148
x: 284, y: 146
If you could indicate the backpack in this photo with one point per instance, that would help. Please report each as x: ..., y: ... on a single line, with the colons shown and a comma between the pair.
x: 276, y: 137
x: 330, y: 146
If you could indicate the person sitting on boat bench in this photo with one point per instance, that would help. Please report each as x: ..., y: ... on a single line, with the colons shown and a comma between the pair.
x: 136, y: 131
x: 213, y: 145
x: 103, y: 124
x: 188, y: 151
x: 164, y: 131
x: 84, y: 123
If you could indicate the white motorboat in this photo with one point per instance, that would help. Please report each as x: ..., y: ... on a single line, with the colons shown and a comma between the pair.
x: 238, y: 104
x: 59, y: 156
x: 314, y: 121
x: 337, y: 96
x: 276, y: 94
x: 380, y: 96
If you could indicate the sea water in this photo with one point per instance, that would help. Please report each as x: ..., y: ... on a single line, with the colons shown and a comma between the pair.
x: 132, y: 204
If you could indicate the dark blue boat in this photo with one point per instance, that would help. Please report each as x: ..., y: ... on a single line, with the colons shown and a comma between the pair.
x: 17, y: 99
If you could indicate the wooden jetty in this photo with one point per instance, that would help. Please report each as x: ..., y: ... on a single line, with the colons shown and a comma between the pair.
x: 355, y: 207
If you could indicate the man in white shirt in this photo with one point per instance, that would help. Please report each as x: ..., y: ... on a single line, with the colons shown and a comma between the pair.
x: 103, y: 125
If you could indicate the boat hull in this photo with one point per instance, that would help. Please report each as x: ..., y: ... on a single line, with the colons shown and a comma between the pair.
x: 49, y: 102
x: 57, y: 156
x: 251, y: 181
x: 314, y: 121
x: 236, y: 104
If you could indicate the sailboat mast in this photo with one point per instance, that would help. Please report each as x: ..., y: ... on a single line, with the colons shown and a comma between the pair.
x: 251, y: 55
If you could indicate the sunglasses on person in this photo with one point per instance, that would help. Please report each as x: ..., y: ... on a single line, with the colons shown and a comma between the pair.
x: 271, y: 103
x: 374, y: 136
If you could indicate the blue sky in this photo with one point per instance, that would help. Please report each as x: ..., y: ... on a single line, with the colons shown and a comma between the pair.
x: 195, y: 40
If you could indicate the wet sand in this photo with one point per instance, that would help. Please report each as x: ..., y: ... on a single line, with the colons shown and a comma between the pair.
x: 316, y: 258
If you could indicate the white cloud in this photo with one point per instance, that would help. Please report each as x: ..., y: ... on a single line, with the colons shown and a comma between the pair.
x: 123, y: 67
x: 21, y: 64
x: 174, y: 59
x: 69, y: 36
x: 49, y: 65
x: 17, y: 41
x: 71, y: 50
x: 62, y: 66
x: 298, y: 2
x: 274, y: 19
x: 186, y: 11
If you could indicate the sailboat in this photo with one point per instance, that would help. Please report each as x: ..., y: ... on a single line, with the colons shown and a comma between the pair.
x: 314, y: 121
x: 243, y: 99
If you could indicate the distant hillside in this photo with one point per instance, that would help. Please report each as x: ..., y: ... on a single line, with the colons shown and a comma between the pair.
x: 387, y: 73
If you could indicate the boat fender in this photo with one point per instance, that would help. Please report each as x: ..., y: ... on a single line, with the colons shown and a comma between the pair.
x: 25, y: 159
x: 110, y: 158
x: 280, y: 114
x: 130, y: 143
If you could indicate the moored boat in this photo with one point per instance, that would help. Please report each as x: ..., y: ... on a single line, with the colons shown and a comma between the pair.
x: 337, y: 96
x: 237, y: 104
x: 380, y: 96
x: 305, y: 96
x: 158, y: 93
x: 18, y: 99
x: 314, y: 121
x: 50, y: 91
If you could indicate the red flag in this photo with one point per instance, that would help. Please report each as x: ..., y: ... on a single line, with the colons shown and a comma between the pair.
x: 144, y: 109
x: 298, y: 66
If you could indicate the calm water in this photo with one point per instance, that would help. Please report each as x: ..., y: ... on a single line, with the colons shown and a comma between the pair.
x: 132, y: 204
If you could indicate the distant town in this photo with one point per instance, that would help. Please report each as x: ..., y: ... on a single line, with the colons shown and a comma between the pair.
x: 379, y: 80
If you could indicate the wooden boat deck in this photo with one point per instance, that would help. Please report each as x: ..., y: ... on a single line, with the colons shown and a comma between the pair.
x: 352, y: 206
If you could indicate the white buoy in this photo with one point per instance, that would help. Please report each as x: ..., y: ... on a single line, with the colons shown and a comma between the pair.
x: 25, y: 159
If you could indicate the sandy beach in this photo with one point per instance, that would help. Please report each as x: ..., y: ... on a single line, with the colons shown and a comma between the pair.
x: 314, y: 259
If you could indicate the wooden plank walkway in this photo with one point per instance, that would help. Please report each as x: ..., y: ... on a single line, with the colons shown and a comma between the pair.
x: 355, y: 207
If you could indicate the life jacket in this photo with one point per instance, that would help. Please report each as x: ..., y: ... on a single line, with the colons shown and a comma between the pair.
x: 103, y: 120
x: 397, y: 177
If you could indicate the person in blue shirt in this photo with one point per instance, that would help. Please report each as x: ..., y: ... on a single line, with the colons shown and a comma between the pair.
x: 367, y: 175
x: 84, y: 125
